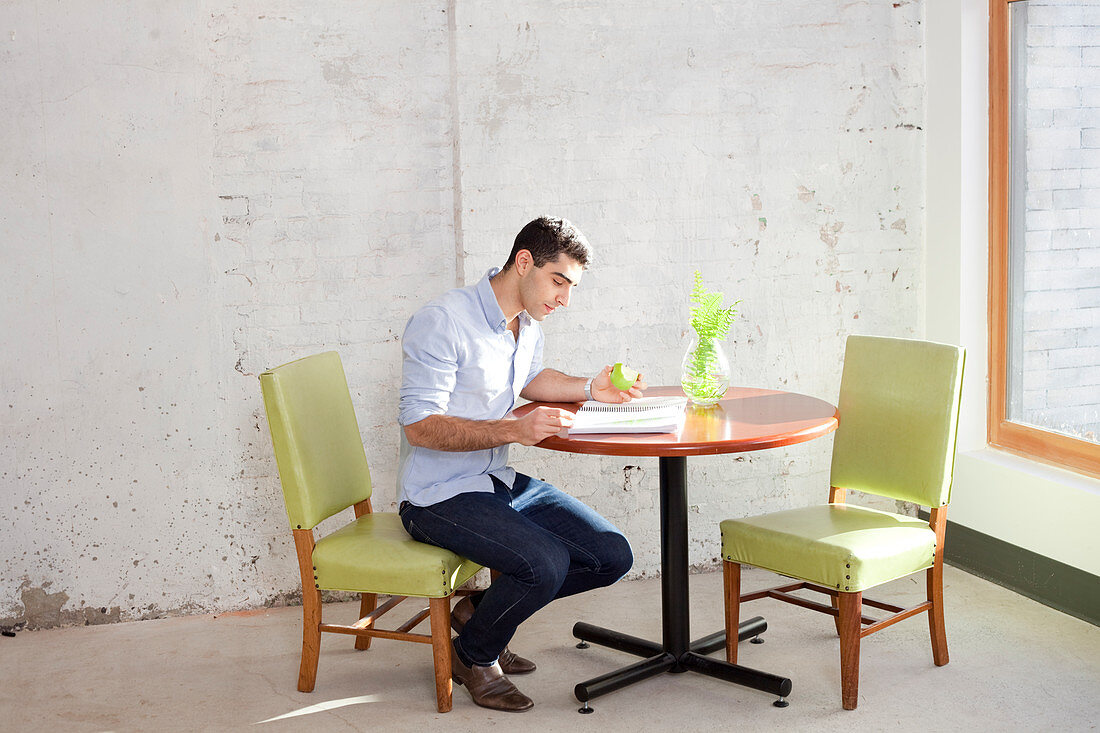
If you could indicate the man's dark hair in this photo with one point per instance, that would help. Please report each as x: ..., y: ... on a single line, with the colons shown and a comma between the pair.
x: 546, y: 238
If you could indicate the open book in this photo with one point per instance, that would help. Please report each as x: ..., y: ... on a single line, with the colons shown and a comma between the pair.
x: 643, y: 415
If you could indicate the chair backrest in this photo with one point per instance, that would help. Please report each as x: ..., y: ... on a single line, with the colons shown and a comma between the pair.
x: 318, y: 449
x: 899, y: 415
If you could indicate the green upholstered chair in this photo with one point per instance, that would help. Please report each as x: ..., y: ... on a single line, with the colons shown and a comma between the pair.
x: 323, y: 470
x: 899, y: 411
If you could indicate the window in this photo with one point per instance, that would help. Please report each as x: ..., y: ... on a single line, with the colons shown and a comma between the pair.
x: 1044, y: 154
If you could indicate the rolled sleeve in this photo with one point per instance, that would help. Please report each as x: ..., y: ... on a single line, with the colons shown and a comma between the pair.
x: 429, y: 365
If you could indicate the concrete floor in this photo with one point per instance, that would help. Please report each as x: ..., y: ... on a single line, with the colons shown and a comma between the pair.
x: 1015, y: 665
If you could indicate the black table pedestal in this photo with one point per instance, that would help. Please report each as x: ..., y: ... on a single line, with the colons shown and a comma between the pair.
x: 675, y: 653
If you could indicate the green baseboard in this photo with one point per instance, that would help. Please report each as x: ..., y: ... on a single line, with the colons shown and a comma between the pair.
x: 1050, y: 582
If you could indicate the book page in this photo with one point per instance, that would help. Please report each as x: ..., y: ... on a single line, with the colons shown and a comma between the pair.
x: 643, y: 415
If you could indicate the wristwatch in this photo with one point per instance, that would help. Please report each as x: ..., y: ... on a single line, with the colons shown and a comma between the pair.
x: 588, y: 390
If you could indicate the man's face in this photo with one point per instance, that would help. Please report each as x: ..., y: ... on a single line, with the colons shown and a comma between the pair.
x: 544, y: 289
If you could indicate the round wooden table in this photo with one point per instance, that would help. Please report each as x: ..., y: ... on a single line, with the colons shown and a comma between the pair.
x: 746, y: 419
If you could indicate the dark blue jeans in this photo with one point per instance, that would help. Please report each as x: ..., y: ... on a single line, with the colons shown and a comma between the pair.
x: 544, y: 543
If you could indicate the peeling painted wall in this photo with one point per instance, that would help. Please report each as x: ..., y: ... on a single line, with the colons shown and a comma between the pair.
x: 189, y: 195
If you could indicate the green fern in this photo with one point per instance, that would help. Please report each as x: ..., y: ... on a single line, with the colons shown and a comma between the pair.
x: 712, y: 323
x: 709, y: 319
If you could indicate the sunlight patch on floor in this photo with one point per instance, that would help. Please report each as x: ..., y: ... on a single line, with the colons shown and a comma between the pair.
x: 322, y: 707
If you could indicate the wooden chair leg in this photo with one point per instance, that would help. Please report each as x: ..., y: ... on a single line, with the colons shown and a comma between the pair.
x: 835, y: 601
x: 731, y: 574
x: 311, y: 638
x: 367, y: 605
x: 440, y: 617
x: 851, y: 608
x: 936, y: 628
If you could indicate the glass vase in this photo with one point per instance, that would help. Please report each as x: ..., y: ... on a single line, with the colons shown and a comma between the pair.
x: 705, y: 371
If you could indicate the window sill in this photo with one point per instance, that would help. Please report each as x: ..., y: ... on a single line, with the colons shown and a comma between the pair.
x: 1037, y: 470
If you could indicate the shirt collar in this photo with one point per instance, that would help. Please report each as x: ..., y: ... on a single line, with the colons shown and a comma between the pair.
x: 494, y: 316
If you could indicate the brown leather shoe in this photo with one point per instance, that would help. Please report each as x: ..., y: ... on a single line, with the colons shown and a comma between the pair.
x: 510, y: 662
x: 488, y: 686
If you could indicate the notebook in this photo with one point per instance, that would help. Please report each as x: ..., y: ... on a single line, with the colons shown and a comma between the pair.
x: 643, y: 415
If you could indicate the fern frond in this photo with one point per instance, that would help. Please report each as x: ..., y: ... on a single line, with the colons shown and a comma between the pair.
x: 709, y: 319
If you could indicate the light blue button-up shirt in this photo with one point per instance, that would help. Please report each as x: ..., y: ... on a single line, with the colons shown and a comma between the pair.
x: 460, y: 359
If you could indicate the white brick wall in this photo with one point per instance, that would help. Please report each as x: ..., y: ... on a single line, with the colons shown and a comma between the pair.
x: 1059, y: 378
x: 194, y: 193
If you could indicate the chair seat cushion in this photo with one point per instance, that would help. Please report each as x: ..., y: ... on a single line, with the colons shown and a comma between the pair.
x: 374, y: 554
x: 847, y: 547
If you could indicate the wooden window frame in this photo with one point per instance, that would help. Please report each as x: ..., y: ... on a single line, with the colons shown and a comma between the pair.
x: 1036, y: 443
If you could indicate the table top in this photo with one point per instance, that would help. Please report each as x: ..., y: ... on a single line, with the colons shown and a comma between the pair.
x: 746, y: 419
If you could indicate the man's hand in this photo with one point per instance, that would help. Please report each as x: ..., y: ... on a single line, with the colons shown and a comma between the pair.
x: 604, y: 391
x: 540, y: 423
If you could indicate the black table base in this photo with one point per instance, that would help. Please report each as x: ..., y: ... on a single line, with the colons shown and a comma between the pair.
x: 675, y: 653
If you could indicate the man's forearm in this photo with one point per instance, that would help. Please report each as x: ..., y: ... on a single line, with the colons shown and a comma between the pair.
x: 550, y: 385
x: 447, y: 433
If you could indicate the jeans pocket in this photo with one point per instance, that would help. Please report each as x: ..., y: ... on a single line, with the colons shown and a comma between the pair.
x: 418, y: 534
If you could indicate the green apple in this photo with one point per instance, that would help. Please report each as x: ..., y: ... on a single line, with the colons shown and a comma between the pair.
x: 623, y: 377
